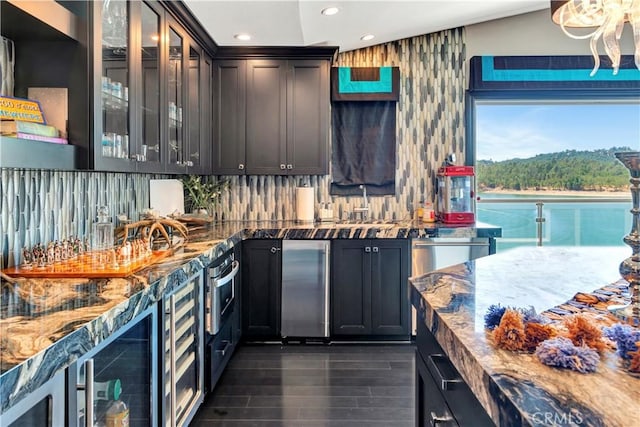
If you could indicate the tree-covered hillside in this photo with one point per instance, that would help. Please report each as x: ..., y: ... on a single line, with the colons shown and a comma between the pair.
x: 568, y: 170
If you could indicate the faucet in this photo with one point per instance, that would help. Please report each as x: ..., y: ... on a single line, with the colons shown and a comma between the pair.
x: 365, y: 204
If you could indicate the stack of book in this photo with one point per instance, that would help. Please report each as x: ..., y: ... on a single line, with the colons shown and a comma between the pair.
x: 30, y: 130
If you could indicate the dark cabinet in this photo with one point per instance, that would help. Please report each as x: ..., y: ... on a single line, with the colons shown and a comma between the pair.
x: 229, y: 84
x: 129, y: 73
x: 442, y: 396
x: 151, y: 91
x: 272, y: 116
x: 261, y: 278
x: 369, y: 287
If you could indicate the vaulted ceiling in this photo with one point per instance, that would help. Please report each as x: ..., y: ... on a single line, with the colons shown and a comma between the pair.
x: 301, y: 23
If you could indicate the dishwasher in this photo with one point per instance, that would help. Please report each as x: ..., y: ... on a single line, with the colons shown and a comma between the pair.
x: 305, y: 289
x: 438, y: 252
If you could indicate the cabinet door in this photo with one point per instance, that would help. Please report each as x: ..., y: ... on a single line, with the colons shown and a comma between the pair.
x: 307, y: 117
x: 149, y: 153
x: 261, y: 275
x: 176, y: 104
x: 351, y: 287
x: 197, y: 146
x: 389, y: 287
x: 112, y: 47
x: 266, y: 117
x: 230, y: 86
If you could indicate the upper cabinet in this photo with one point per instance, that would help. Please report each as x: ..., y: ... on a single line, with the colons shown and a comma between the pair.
x: 272, y: 111
x: 152, y: 109
x: 132, y: 81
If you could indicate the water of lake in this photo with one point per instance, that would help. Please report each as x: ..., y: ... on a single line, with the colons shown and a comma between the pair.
x: 566, y: 224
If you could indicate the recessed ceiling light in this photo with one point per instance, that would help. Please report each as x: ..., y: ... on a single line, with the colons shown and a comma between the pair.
x: 243, y: 37
x: 328, y: 11
x: 367, y: 37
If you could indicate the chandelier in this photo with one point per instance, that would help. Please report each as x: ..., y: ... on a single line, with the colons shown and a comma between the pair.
x: 607, y: 17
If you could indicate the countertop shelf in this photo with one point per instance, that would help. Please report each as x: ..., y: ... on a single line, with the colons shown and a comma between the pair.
x: 30, y: 154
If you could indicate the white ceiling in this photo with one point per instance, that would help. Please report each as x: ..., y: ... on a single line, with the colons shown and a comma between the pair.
x: 300, y: 23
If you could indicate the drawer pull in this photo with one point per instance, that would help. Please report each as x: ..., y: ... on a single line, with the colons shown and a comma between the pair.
x: 436, y: 420
x: 445, y: 383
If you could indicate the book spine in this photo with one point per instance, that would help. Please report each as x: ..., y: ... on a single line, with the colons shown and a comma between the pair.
x: 36, y: 129
x: 33, y: 137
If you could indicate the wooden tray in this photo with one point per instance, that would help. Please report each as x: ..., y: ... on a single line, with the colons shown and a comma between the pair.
x: 85, y: 267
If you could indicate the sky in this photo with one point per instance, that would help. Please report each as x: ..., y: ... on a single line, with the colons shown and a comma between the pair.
x: 522, y: 131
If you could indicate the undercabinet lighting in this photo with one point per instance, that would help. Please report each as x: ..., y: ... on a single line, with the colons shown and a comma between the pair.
x: 330, y: 11
x: 155, y: 37
x: 367, y: 37
x: 243, y: 37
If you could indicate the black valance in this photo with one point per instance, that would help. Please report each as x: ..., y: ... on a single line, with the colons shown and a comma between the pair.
x: 550, y: 72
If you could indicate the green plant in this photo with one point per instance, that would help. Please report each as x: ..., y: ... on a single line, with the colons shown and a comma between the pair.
x: 201, y: 193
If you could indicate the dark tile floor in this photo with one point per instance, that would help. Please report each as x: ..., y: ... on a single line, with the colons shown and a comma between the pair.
x: 314, y: 385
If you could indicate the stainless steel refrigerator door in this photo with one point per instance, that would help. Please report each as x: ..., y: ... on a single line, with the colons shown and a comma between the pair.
x: 305, y: 288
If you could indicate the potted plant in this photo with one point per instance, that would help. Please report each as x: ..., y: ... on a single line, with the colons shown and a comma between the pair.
x: 201, y: 195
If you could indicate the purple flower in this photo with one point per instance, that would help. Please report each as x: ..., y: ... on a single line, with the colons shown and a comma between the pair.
x: 562, y: 353
x: 625, y: 338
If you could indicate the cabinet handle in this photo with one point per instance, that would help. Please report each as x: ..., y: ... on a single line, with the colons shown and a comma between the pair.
x: 172, y: 353
x: 88, y: 392
x: 241, y: 166
x: 283, y: 166
x: 224, y: 350
x: 367, y: 249
x: 274, y: 249
x: 289, y: 166
x: 437, y: 420
x: 189, y: 163
x: 376, y: 249
x: 155, y: 148
x: 445, y: 383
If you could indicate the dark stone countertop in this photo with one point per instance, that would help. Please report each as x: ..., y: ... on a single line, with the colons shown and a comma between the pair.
x: 47, y: 324
x: 516, y: 389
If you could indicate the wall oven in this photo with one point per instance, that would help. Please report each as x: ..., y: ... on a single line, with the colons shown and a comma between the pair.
x: 220, y: 298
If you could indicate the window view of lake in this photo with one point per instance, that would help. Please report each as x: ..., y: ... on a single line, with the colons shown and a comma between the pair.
x: 560, y: 155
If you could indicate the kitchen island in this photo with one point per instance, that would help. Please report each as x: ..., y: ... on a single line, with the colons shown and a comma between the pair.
x: 516, y: 389
x: 47, y: 324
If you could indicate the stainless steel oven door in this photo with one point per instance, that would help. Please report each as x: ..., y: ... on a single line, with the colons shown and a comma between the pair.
x: 220, y: 297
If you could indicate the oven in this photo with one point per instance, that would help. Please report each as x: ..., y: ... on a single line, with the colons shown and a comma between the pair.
x: 220, y: 298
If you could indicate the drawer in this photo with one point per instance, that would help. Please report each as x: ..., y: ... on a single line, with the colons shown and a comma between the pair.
x: 219, y: 352
x: 458, y: 397
x: 431, y: 408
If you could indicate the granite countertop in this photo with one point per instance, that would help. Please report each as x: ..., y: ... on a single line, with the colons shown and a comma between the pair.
x: 516, y: 389
x: 47, y: 324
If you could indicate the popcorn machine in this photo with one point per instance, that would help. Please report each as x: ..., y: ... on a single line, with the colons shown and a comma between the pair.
x: 455, y: 189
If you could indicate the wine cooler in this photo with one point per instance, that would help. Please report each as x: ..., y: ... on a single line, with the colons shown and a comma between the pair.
x: 113, y: 382
x: 183, y: 371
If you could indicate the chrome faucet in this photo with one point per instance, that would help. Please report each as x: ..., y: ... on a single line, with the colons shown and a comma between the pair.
x: 365, y: 203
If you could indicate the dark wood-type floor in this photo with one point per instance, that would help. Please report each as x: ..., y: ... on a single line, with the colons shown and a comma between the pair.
x: 314, y: 385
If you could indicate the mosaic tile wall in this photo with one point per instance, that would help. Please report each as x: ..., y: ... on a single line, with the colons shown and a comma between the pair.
x: 430, y: 125
x: 39, y: 206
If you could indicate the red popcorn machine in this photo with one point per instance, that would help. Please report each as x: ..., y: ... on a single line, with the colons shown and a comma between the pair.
x: 455, y: 189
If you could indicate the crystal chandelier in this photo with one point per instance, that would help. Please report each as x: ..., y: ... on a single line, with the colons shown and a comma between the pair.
x: 607, y: 17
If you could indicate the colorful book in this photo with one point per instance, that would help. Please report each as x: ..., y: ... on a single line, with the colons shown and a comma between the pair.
x: 51, y: 139
x: 12, y: 127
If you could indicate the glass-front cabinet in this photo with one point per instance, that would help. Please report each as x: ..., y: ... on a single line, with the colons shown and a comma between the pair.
x: 148, y: 80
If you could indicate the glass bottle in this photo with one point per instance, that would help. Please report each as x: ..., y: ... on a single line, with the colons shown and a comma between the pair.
x: 102, y: 239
